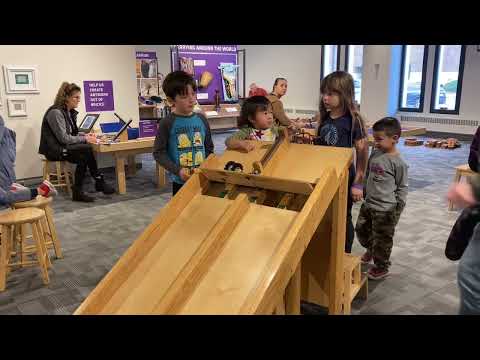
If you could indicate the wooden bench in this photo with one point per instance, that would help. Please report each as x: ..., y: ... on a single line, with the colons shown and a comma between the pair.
x: 461, y: 170
x: 355, y: 281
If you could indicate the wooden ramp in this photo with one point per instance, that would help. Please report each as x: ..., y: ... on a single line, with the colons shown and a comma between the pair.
x: 205, y: 254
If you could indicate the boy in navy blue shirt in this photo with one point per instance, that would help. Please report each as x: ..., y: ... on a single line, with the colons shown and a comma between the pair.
x: 184, y: 138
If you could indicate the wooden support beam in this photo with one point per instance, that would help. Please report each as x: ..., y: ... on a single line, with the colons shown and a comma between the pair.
x: 264, y: 182
x: 337, y: 249
x: 283, y: 264
x: 292, y: 293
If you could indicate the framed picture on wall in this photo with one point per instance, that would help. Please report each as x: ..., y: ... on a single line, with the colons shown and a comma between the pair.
x: 21, y: 79
x: 17, y: 106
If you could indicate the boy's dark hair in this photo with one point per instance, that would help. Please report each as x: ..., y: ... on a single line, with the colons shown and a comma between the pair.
x: 390, y: 125
x: 176, y: 83
x: 250, y: 107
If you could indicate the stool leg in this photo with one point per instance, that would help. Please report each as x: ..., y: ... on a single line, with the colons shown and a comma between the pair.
x: 5, y: 238
x: 47, y: 236
x: 15, y: 242
x: 456, y: 179
x: 23, y: 242
x: 53, y: 232
x: 10, y: 235
x: 46, y: 171
x: 58, y: 167
x: 43, y: 239
x: 40, y: 253
x: 66, y: 171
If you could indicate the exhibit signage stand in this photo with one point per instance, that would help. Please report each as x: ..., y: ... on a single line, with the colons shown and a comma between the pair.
x: 254, y: 241
x: 148, y: 83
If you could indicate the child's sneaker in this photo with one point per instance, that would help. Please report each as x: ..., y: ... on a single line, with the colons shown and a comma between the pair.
x: 48, y: 188
x: 376, y: 273
x: 367, y: 257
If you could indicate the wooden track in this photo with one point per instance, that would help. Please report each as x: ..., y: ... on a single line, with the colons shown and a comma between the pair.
x: 203, y: 254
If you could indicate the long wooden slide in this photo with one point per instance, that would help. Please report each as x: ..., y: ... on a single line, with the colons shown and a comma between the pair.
x: 238, y: 243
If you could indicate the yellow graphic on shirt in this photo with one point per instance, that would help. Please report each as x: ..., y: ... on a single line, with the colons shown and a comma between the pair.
x: 262, y: 135
x: 184, y: 141
x: 198, y: 158
x: 186, y: 159
x: 197, y: 139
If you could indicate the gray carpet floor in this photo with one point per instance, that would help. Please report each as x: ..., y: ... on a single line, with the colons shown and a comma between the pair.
x: 94, y: 236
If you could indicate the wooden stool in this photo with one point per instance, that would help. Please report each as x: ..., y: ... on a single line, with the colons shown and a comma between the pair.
x: 61, y: 177
x: 354, y: 281
x: 8, y: 222
x: 461, y: 170
x: 50, y: 232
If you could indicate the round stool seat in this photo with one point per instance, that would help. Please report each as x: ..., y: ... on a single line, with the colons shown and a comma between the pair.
x: 39, y: 202
x: 21, y: 216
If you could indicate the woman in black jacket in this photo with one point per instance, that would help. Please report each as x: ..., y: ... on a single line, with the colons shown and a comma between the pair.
x: 60, y: 141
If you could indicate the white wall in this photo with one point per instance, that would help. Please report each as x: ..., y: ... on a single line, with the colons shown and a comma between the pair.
x: 299, y: 64
x: 375, y: 81
x: 66, y: 63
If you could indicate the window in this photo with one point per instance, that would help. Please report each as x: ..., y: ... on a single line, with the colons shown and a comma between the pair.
x: 412, y: 81
x: 354, y: 65
x: 330, y: 59
x: 447, y: 79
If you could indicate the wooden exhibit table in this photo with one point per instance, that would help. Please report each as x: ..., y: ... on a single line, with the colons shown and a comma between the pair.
x: 126, y: 150
x: 223, y: 119
x: 238, y: 243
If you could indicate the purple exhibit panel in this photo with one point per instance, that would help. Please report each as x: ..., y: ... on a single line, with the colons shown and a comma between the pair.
x: 147, y: 128
x: 207, y: 58
x: 98, y: 95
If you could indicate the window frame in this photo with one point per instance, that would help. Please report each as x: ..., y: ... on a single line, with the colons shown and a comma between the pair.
x: 458, y: 97
x: 347, y: 55
x: 322, y: 61
x: 422, y: 86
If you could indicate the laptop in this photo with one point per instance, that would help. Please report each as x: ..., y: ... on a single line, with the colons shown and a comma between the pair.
x: 87, y: 123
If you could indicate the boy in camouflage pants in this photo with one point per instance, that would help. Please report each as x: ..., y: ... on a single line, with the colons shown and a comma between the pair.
x: 385, y: 197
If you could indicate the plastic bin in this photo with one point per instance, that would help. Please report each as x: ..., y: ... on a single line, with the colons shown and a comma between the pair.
x: 113, y: 127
